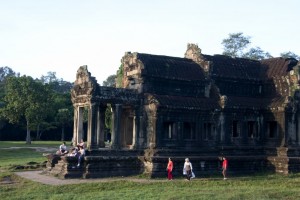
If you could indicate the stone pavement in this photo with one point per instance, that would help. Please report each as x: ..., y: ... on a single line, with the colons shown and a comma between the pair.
x: 50, y: 180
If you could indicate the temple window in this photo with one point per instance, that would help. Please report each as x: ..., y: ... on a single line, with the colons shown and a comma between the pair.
x: 252, y: 129
x: 208, y: 129
x: 235, y: 129
x: 189, y: 130
x: 169, y: 130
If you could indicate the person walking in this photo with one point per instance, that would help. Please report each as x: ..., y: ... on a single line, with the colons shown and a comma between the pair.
x: 187, y: 169
x: 170, y: 169
x: 224, y: 167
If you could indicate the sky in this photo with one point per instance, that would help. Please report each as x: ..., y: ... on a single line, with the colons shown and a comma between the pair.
x: 40, y: 36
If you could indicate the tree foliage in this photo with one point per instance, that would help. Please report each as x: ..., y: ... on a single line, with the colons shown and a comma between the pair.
x: 289, y: 54
x: 256, y: 54
x: 26, y: 101
x: 110, y: 81
x: 119, y: 78
x: 63, y: 118
x: 4, y: 73
x: 235, y: 44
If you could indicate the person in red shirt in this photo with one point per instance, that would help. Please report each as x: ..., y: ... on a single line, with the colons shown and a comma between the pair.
x: 224, y: 167
x: 170, y: 169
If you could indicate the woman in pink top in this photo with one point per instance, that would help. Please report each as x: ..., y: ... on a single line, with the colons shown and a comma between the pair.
x: 170, y: 169
x: 224, y: 167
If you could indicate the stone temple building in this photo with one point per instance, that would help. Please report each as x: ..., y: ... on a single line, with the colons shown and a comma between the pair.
x: 200, y: 107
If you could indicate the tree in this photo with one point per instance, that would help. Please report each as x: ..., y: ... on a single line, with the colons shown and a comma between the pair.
x: 256, y: 54
x: 4, y: 73
x: 63, y: 118
x: 290, y: 54
x: 110, y: 81
x: 50, y: 77
x: 119, y: 77
x: 26, y: 101
x: 235, y: 44
x: 58, y: 85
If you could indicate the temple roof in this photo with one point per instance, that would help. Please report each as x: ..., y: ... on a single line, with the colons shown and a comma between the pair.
x: 171, y: 67
x: 237, y: 68
x: 241, y: 68
x: 277, y: 67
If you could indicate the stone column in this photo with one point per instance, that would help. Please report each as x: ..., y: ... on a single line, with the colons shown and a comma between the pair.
x: 79, y: 124
x: 141, y: 138
x: 136, y: 130
x: 291, y: 132
x: 75, y: 126
x: 261, y: 130
x: 152, y: 142
x: 179, y: 139
x: 101, y: 125
x: 244, y: 131
x: 222, y: 128
x: 116, y: 125
x: 298, y: 129
x: 91, y: 133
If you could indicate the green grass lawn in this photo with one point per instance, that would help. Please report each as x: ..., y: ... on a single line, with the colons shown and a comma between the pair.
x: 18, y: 153
x: 260, y: 186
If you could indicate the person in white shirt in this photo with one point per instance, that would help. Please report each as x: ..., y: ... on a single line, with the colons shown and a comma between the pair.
x: 187, y: 169
x: 62, y: 149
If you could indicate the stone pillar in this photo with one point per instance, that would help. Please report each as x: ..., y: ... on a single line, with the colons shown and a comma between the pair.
x: 222, y: 128
x: 261, y: 130
x: 92, y: 128
x: 79, y: 125
x: 75, y: 126
x: 244, y: 132
x: 135, y: 133
x: 116, y: 126
x: 141, y: 136
x: 152, y: 141
x: 180, y: 141
x: 101, y: 125
x: 298, y: 129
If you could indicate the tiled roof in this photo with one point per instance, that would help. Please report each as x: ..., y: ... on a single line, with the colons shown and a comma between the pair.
x: 236, y: 68
x: 278, y: 66
x: 186, y: 102
x: 171, y: 67
x: 241, y: 68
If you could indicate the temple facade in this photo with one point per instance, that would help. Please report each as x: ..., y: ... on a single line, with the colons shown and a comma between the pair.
x: 200, y: 106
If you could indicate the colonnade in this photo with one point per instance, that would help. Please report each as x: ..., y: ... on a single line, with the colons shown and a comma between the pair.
x: 96, y: 126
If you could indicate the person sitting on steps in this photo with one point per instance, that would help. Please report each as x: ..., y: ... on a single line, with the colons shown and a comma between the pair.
x: 81, y: 143
x: 81, y: 154
x: 62, y: 149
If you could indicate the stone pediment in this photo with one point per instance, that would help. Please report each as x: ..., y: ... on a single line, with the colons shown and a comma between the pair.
x: 85, y: 86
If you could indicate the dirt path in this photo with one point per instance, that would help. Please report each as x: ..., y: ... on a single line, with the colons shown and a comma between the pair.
x: 38, y: 149
x: 50, y: 180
